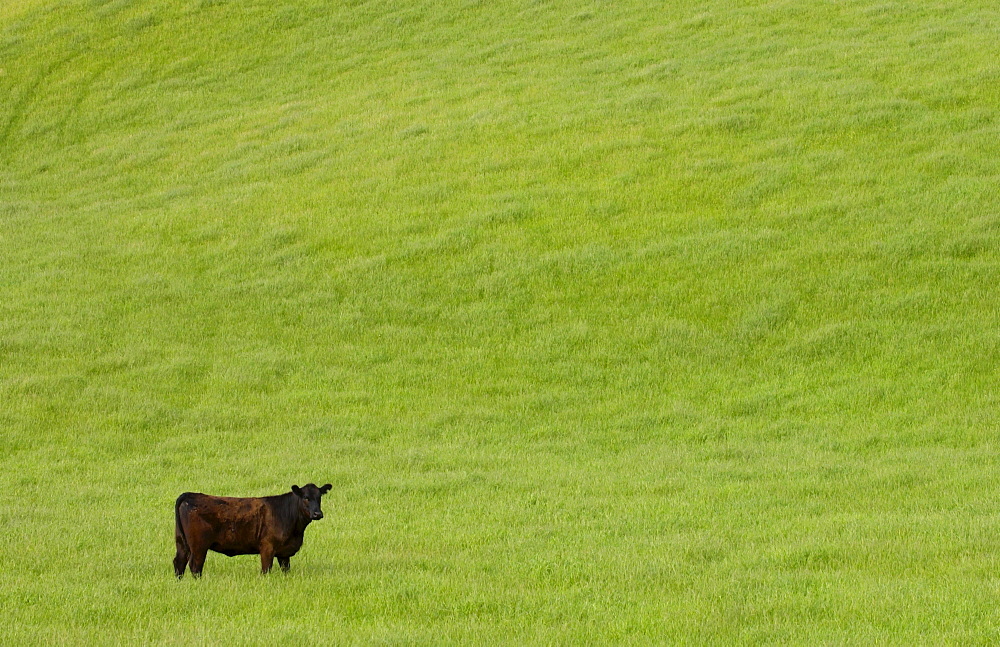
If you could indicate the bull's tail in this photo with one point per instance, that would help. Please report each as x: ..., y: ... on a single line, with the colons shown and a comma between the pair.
x: 183, y: 550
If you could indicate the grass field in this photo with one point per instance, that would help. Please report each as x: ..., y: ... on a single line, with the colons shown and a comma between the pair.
x: 631, y: 322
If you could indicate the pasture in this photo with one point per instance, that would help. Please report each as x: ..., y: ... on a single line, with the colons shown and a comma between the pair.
x: 609, y: 322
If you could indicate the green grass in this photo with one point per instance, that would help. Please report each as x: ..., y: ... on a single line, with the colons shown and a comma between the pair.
x: 626, y: 322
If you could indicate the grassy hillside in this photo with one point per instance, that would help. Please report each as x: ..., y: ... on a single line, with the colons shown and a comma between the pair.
x: 616, y: 322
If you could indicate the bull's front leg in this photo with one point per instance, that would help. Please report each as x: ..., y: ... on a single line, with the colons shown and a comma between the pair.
x: 266, y: 558
x: 285, y: 563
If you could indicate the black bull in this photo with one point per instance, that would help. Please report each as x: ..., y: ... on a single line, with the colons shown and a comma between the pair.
x: 272, y: 526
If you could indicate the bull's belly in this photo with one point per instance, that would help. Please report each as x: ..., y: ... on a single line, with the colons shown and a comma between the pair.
x: 231, y: 550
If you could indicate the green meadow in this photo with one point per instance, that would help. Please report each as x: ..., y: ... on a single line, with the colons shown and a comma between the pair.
x: 610, y: 322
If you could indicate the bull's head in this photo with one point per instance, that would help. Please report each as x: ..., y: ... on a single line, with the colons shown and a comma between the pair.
x: 309, y: 498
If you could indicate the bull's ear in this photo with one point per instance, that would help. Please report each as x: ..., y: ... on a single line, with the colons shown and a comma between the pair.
x: 326, y: 488
x: 296, y: 490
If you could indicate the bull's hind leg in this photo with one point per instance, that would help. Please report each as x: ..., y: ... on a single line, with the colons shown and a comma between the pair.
x: 285, y: 563
x: 198, y: 554
x: 182, y: 557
